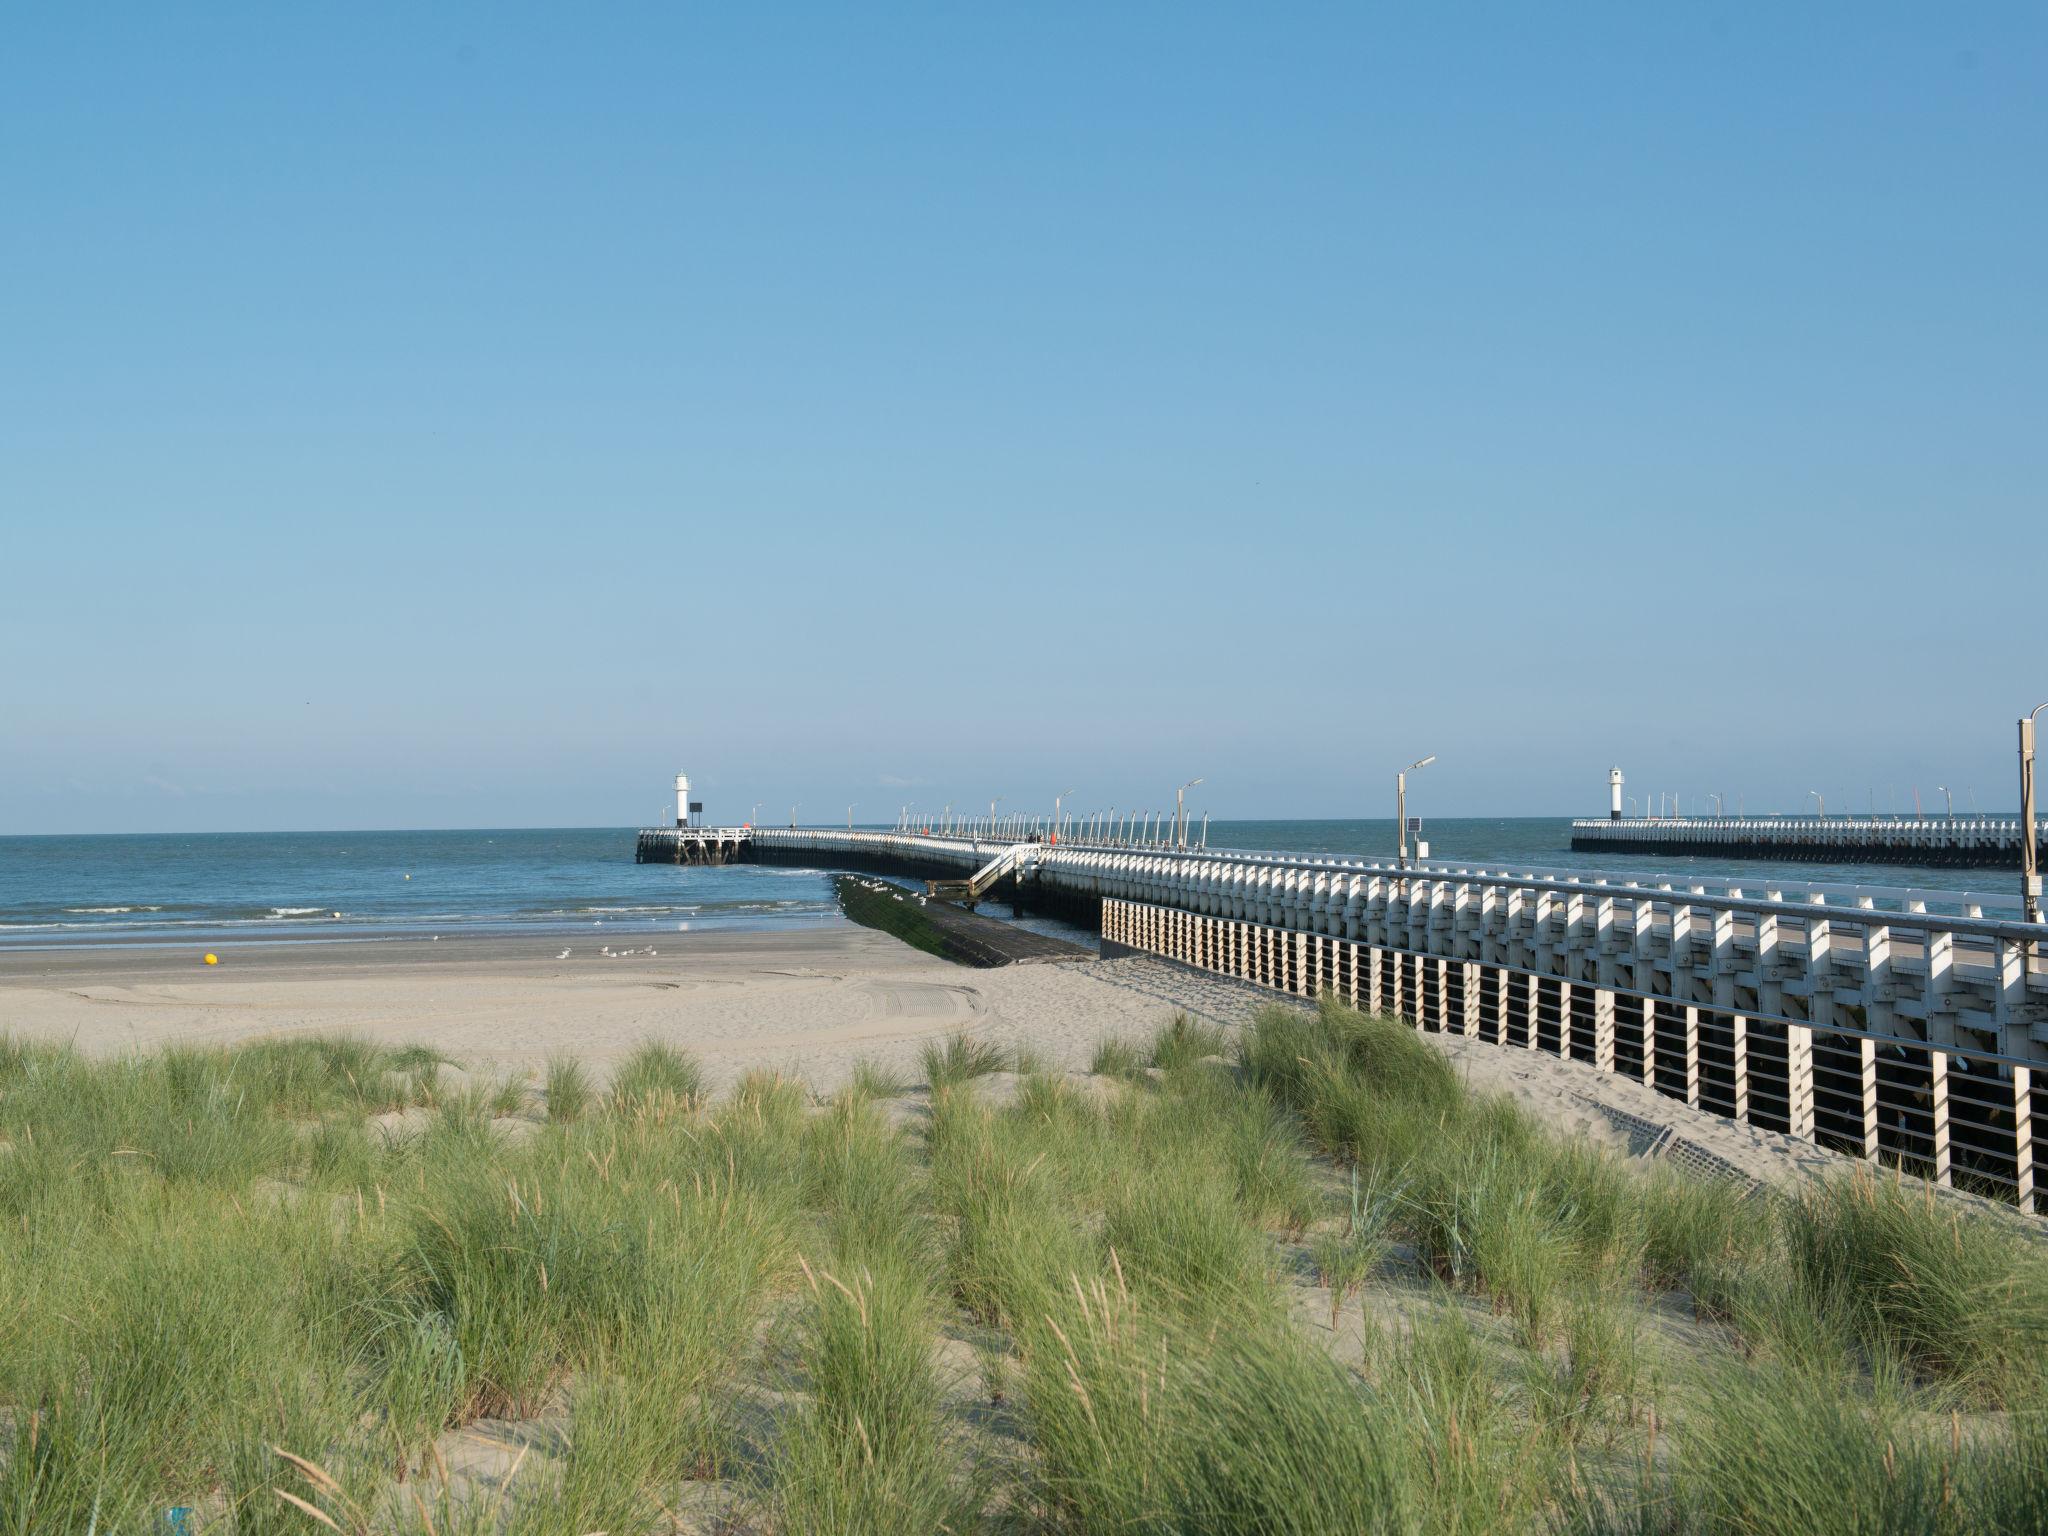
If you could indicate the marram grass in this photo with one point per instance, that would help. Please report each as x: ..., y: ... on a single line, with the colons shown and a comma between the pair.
x: 1294, y: 1280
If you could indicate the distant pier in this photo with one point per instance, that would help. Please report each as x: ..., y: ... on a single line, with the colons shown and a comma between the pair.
x: 1953, y: 842
x: 693, y: 845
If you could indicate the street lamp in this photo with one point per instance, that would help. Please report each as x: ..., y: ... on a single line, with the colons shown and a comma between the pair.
x: 792, y: 817
x: 992, y: 816
x: 1180, y: 815
x: 1401, y: 801
x: 1949, y: 796
x: 1822, y: 801
x: 2030, y: 857
x: 849, y: 818
x: 754, y: 816
x: 1056, y: 799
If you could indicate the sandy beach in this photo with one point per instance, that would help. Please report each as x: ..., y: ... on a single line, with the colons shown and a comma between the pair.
x: 807, y: 1002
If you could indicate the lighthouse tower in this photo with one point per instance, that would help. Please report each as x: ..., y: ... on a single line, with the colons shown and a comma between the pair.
x: 682, y: 799
x: 1614, y: 794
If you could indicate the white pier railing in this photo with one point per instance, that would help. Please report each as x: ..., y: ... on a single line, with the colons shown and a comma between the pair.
x: 1864, y: 1018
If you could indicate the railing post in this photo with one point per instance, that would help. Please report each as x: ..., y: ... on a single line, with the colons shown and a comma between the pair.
x: 1738, y: 1037
x: 1866, y: 1059
x: 1692, y: 1055
x: 1799, y: 1080
x: 1603, y: 1030
x: 1649, y: 1029
x: 1937, y: 1101
x: 2023, y: 1138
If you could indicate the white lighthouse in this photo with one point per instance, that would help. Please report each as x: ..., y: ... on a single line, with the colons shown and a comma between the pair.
x: 1614, y: 794
x: 682, y: 799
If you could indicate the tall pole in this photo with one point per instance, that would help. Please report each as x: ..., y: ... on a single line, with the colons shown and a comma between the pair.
x: 1401, y: 814
x: 2030, y: 856
x: 1180, y: 815
x: 1401, y: 802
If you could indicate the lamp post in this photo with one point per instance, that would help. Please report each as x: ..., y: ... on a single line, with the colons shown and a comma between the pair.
x: 792, y: 818
x: 992, y: 816
x: 1821, y: 800
x: 1948, y: 795
x: 754, y: 816
x: 1401, y: 801
x: 1180, y: 814
x: 2030, y: 858
x: 849, y: 818
x: 1056, y: 799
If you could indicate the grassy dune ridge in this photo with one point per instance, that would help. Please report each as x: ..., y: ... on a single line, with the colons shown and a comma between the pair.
x: 1298, y: 1281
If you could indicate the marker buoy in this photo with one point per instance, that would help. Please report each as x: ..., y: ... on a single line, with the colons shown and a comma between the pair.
x: 213, y: 959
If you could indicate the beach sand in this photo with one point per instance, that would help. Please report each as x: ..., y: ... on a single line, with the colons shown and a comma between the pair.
x: 807, y: 1002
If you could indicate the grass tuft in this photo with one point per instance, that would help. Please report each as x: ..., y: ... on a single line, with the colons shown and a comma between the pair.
x: 960, y: 1059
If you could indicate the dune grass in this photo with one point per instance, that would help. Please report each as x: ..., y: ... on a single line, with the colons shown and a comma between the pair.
x: 1314, y: 1287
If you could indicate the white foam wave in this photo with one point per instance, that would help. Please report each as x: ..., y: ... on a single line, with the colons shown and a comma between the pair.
x: 87, y: 910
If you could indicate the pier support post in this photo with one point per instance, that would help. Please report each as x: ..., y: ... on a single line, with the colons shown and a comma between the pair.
x: 1738, y: 1043
x: 2023, y: 1138
x: 1866, y: 1064
x: 1799, y: 1080
x: 1937, y: 1103
x: 1532, y: 1021
x: 1603, y: 1030
x: 1650, y: 1044
x: 1692, y: 1055
x: 1468, y: 994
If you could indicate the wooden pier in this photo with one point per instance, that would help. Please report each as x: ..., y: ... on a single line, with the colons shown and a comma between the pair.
x: 1951, y: 842
x: 1904, y: 1025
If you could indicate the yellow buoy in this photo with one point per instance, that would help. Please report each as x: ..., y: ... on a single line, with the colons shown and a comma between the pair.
x: 213, y: 959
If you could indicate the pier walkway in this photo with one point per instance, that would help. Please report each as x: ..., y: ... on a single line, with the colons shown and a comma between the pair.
x: 1903, y: 1025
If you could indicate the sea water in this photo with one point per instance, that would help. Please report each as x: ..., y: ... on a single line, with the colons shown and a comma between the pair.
x: 221, y: 887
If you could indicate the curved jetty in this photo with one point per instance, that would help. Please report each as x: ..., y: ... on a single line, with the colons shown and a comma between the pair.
x: 1953, y: 842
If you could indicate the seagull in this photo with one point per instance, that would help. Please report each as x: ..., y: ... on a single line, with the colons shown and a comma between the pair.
x: 563, y: 955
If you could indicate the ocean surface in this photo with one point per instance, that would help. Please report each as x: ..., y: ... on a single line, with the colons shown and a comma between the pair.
x: 334, y: 886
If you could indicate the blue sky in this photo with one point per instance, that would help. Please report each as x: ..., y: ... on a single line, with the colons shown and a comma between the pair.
x: 470, y: 415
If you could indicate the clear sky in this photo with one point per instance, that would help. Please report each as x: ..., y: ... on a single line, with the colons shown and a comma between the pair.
x: 470, y: 415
